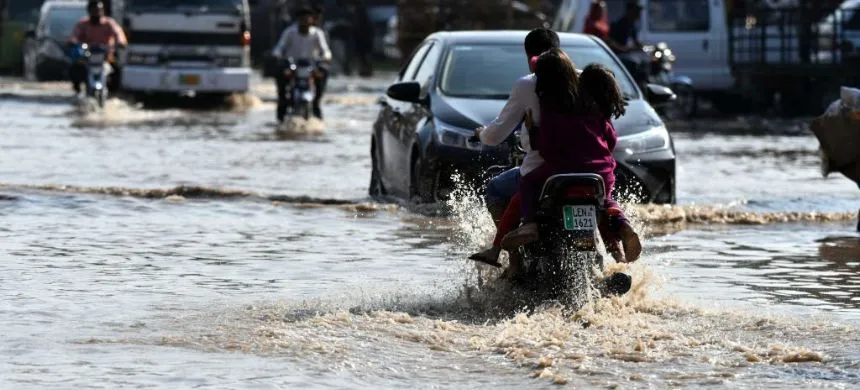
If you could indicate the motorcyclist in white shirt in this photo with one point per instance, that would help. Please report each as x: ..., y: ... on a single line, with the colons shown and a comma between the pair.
x: 306, y: 41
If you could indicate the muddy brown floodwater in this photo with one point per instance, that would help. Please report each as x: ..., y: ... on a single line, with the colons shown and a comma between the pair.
x: 180, y: 248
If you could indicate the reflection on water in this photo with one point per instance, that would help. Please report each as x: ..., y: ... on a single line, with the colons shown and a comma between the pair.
x: 190, y: 248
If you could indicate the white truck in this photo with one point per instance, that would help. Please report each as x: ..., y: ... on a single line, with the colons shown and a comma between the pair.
x: 188, y: 47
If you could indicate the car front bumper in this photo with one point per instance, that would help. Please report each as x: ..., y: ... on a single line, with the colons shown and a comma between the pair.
x: 159, y: 79
x: 646, y: 177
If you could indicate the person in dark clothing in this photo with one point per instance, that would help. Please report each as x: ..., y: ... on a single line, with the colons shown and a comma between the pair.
x: 624, y: 41
x: 624, y: 32
x: 363, y: 39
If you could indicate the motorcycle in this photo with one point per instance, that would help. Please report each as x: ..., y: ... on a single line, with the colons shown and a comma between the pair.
x: 96, y: 60
x: 658, y: 68
x: 566, y: 263
x: 298, y: 97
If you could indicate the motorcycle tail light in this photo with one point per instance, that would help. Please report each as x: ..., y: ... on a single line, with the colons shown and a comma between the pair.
x: 586, y: 191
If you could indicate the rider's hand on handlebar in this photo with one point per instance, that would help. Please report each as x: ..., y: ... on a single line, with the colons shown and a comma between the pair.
x: 478, y: 131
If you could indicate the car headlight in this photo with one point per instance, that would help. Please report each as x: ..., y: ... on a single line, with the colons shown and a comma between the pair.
x: 653, y: 139
x: 452, y: 136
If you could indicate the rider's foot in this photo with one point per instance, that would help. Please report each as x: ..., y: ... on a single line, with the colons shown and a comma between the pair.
x: 523, y: 235
x: 318, y: 112
x: 614, y: 249
x: 488, y: 256
x: 631, y: 242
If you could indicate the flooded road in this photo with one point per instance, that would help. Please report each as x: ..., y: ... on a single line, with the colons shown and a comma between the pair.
x: 179, y: 248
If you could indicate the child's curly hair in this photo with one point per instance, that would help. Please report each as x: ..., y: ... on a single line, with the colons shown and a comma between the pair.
x: 600, y: 91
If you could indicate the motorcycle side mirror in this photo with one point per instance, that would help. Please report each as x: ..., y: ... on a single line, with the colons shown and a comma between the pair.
x: 408, y: 91
x: 659, y: 95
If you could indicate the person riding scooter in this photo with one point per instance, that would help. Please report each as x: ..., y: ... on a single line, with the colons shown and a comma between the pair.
x: 97, y: 30
x: 306, y: 41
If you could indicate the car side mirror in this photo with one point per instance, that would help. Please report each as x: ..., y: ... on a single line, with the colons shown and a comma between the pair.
x: 408, y: 91
x: 659, y: 95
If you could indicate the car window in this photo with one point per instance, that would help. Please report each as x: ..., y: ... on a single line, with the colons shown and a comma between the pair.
x: 414, y: 62
x: 60, y: 21
x: 428, y: 67
x: 489, y: 71
x: 679, y: 15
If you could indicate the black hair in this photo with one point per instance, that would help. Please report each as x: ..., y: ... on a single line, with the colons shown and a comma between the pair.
x: 600, y: 91
x: 557, y: 84
x: 93, y: 3
x: 540, y: 40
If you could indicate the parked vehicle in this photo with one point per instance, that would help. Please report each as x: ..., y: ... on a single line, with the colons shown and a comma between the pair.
x: 456, y: 81
x: 694, y: 29
x: 840, y: 30
x: 97, y: 61
x: 44, y: 55
x: 802, y: 55
x: 187, y: 47
x: 700, y: 35
x: 16, y: 18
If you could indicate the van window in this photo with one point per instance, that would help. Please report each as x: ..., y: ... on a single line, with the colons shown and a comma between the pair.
x: 679, y: 15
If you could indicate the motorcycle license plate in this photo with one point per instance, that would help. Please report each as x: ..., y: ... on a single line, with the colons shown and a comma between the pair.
x: 580, y: 218
x: 189, y: 79
x: 97, y: 58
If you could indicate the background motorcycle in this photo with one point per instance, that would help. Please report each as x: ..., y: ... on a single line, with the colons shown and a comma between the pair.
x: 654, y: 65
x: 300, y: 76
x: 97, y: 62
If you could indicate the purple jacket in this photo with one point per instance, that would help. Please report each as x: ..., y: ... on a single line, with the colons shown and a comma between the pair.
x: 577, y: 144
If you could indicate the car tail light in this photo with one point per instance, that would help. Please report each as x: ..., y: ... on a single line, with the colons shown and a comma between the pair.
x: 581, y: 191
x: 246, y: 38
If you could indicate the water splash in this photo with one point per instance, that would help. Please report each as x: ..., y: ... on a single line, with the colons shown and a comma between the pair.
x: 298, y: 129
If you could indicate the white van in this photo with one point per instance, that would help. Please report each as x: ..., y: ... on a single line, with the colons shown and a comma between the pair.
x: 695, y: 30
x: 187, y: 46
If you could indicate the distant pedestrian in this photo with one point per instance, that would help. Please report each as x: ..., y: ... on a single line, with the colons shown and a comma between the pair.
x: 597, y: 21
x: 363, y: 38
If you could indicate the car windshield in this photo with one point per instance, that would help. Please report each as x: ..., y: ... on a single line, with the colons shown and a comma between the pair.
x: 61, y: 21
x: 489, y: 71
x: 231, y: 4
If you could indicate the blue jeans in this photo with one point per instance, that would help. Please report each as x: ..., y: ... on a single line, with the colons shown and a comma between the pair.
x: 502, y: 188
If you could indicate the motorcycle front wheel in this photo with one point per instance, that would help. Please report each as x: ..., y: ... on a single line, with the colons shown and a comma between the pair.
x: 686, y: 105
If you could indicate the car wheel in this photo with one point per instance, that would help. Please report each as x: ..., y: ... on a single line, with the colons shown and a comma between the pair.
x: 376, y: 188
x: 421, y: 187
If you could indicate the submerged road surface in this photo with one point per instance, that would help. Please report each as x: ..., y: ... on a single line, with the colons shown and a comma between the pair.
x: 180, y: 248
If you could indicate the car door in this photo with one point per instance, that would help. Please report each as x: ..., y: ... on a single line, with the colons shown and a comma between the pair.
x: 692, y: 30
x: 417, y: 114
x: 390, y: 148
